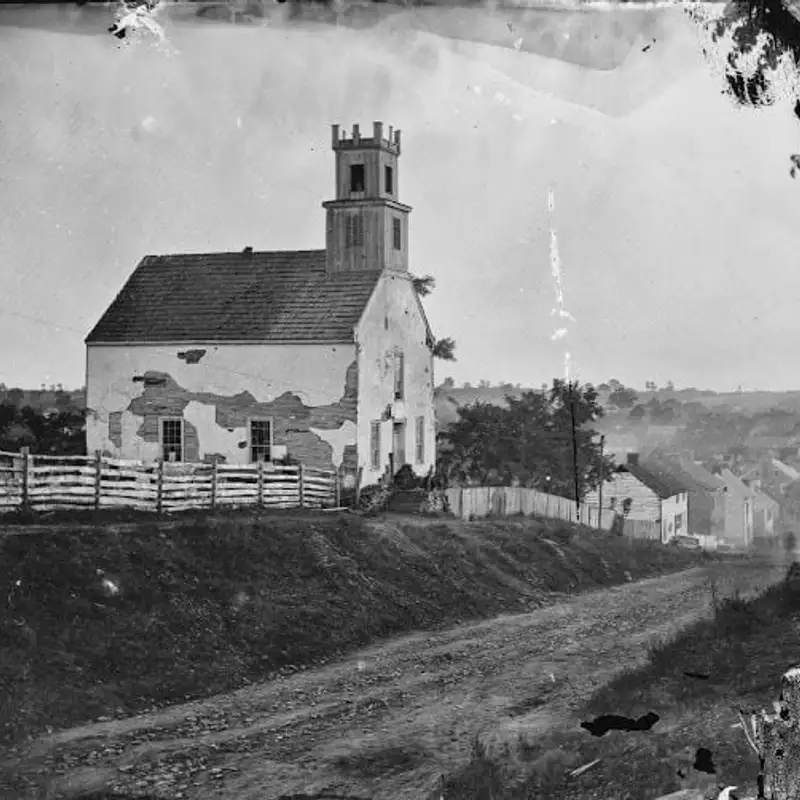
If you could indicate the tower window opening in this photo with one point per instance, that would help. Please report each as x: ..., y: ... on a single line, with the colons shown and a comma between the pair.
x: 357, y: 178
x: 388, y: 173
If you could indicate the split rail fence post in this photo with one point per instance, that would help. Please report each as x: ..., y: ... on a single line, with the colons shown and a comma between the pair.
x: 260, y: 484
x: 300, y: 486
x: 214, y: 479
x: 98, y: 474
x: 338, y: 487
x: 25, y: 452
x: 160, y: 486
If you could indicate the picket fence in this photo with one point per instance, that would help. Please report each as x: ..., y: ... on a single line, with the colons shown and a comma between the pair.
x: 48, y: 483
x: 473, y: 502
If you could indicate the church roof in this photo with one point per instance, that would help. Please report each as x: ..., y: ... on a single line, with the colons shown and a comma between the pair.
x: 245, y: 296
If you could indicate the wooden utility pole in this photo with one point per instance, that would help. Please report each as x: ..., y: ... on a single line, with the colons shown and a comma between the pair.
x: 575, y: 455
x: 600, y: 491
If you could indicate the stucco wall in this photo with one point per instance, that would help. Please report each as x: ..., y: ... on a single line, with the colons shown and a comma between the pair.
x: 670, y: 508
x: 765, y: 515
x: 738, y: 511
x: 309, y: 391
x: 393, y: 320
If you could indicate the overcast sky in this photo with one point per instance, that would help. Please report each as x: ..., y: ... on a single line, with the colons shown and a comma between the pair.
x: 676, y: 219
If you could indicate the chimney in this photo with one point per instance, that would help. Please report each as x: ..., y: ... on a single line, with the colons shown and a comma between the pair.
x: 356, y: 135
x: 377, y: 131
x: 633, y: 458
x: 335, y: 134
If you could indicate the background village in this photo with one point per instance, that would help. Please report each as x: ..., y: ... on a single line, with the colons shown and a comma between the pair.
x: 715, y: 470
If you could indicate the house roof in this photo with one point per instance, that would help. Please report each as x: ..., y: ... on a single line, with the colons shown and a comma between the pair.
x: 733, y: 482
x: 781, y: 501
x: 788, y: 471
x: 700, y: 475
x: 762, y: 496
x: 693, y: 476
x: 659, y: 480
x: 242, y: 296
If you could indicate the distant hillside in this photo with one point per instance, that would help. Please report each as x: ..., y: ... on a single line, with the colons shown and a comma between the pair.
x: 447, y: 400
x: 747, y: 402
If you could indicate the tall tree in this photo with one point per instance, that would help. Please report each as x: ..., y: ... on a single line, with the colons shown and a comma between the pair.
x: 623, y: 397
x: 530, y: 439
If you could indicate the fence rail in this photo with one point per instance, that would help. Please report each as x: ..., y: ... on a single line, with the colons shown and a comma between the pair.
x: 482, y: 501
x: 46, y: 483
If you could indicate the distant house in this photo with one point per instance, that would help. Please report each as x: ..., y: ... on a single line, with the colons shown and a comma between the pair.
x: 655, y: 504
x: 783, y: 472
x: 788, y: 513
x: 324, y: 356
x: 739, y: 508
x: 706, y: 494
x: 766, y: 512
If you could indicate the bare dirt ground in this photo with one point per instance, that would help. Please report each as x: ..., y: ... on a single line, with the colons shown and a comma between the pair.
x: 390, y: 719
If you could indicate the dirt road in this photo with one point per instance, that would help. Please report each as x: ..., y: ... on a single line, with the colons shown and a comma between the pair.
x: 386, y: 722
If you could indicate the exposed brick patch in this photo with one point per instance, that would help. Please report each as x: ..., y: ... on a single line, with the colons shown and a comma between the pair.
x: 150, y: 379
x: 115, y: 428
x: 350, y: 458
x: 191, y: 356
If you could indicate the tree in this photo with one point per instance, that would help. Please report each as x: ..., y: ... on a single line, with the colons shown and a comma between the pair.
x: 16, y: 397
x: 484, y: 384
x: 623, y: 397
x: 443, y: 349
x: 530, y: 439
x: 448, y: 383
x: 763, y: 34
x: 669, y: 386
x: 58, y: 434
x: 637, y: 413
x: 604, y: 387
x: 661, y: 413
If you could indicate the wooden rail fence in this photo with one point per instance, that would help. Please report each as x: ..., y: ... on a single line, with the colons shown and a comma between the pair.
x: 46, y: 483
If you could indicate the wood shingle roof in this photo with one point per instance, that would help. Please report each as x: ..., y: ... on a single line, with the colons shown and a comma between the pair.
x: 245, y: 296
x: 659, y: 480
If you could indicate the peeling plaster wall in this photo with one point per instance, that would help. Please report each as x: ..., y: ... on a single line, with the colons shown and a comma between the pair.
x: 393, y: 320
x: 309, y: 391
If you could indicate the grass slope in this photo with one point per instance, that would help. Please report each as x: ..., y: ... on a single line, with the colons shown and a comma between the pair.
x: 743, y: 650
x: 215, y: 602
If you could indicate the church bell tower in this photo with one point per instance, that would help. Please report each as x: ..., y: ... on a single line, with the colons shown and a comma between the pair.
x: 367, y: 226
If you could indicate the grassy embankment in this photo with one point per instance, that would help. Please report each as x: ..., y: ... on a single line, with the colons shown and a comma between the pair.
x: 213, y: 603
x: 742, y: 650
